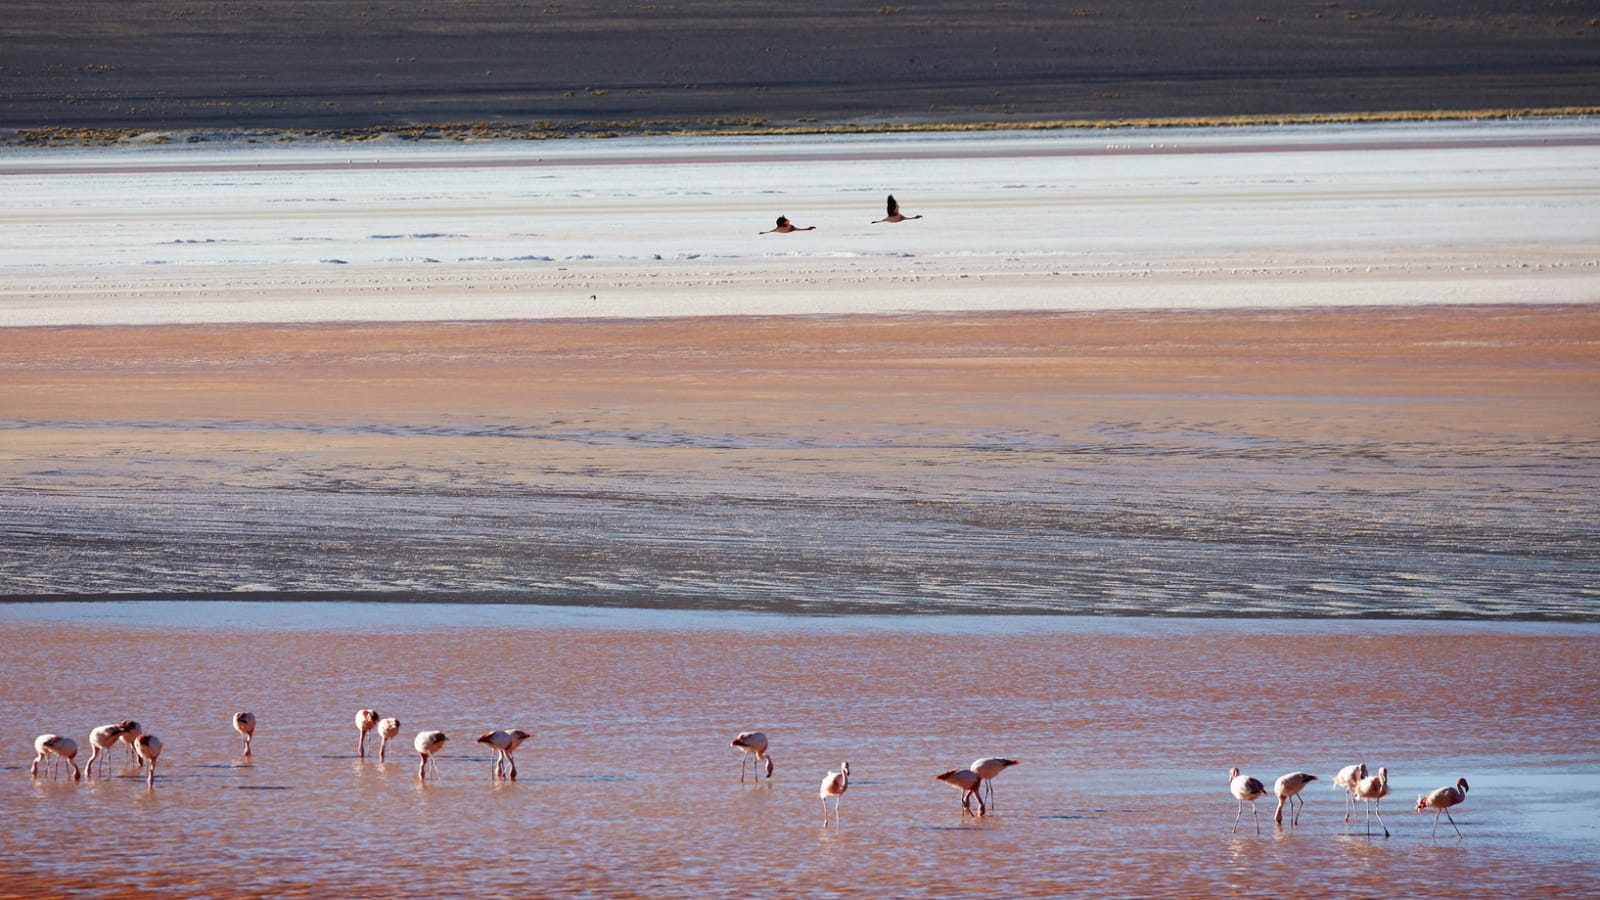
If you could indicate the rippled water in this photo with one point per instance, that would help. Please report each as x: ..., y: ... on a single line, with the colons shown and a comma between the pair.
x: 1125, y: 729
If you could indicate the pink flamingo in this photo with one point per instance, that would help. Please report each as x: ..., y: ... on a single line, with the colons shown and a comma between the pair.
x: 987, y: 768
x: 387, y: 729
x: 1373, y: 790
x: 1246, y: 790
x: 245, y: 724
x: 784, y: 226
x: 894, y: 213
x: 1348, y: 778
x: 1441, y: 800
x: 55, y: 745
x: 1287, y: 789
x: 366, y: 720
x: 101, y: 740
x: 131, y: 731
x: 752, y: 744
x: 148, y: 746
x: 834, y: 786
x: 504, y: 744
x: 427, y: 744
x: 968, y: 782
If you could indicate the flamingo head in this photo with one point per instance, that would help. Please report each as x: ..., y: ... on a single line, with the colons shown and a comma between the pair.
x: 767, y: 765
x: 1462, y: 784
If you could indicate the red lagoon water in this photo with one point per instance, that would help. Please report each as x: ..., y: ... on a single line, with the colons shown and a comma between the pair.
x: 1125, y: 729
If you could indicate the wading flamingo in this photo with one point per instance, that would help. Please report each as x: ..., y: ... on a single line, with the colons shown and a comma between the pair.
x: 1441, y: 800
x: 1287, y: 789
x: 366, y: 720
x: 387, y: 728
x: 55, y: 745
x: 894, y: 213
x: 504, y: 743
x: 1348, y: 778
x: 784, y: 226
x: 427, y: 744
x: 101, y: 740
x: 148, y: 746
x: 1246, y: 790
x: 753, y: 744
x: 987, y: 768
x: 245, y: 724
x: 969, y: 782
x: 1373, y: 790
x: 834, y: 786
x: 130, y: 736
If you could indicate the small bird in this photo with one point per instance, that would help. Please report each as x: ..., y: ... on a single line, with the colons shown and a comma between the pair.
x: 55, y: 745
x: 1287, y: 788
x: 987, y: 768
x: 131, y: 731
x: 148, y: 746
x: 1441, y: 800
x: 427, y: 744
x: 754, y: 745
x: 504, y: 744
x: 834, y: 786
x: 1246, y: 790
x: 784, y: 226
x: 387, y: 728
x: 1372, y: 790
x: 366, y: 720
x: 245, y: 724
x: 1348, y: 778
x: 969, y: 782
x: 101, y: 740
x: 894, y: 213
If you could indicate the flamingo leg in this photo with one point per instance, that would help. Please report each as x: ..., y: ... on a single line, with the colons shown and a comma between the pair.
x: 510, y: 760
x: 1236, y: 817
x: 1254, y: 818
x: 1452, y: 823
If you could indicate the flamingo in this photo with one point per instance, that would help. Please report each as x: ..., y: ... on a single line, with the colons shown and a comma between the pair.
x: 148, y: 746
x: 834, y: 786
x: 969, y: 782
x: 387, y: 728
x: 1287, y: 789
x: 131, y: 731
x: 752, y: 744
x: 1347, y: 778
x: 987, y: 768
x: 245, y: 724
x: 427, y: 744
x: 1373, y: 790
x: 504, y: 743
x: 1246, y: 790
x: 366, y: 720
x: 1441, y: 800
x: 101, y: 740
x: 55, y: 745
x: 784, y: 226
x: 894, y: 213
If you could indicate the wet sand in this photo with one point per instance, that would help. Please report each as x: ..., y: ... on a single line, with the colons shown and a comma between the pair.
x: 1429, y: 462
x: 1125, y: 729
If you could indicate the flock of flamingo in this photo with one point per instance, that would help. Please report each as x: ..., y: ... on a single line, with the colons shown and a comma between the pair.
x: 784, y: 226
x: 973, y: 781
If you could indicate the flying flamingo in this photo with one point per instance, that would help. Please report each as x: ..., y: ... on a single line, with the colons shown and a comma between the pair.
x: 1441, y: 800
x: 504, y: 743
x: 1287, y: 789
x: 1246, y: 790
x: 894, y: 213
x: 1348, y: 778
x: 784, y: 226
x: 101, y: 740
x: 130, y: 736
x: 148, y: 746
x: 969, y: 782
x: 427, y: 744
x: 1373, y: 790
x: 987, y: 768
x: 245, y: 724
x: 752, y: 744
x: 55, y: 745
x: 366, y: 720
x: 387, y: 728
x: 834, y: 786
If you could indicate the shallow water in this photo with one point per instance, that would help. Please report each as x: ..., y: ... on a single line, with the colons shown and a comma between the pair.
x: 1125, y: 729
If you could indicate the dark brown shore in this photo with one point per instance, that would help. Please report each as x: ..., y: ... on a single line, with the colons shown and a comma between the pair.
x: 548, y: 68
